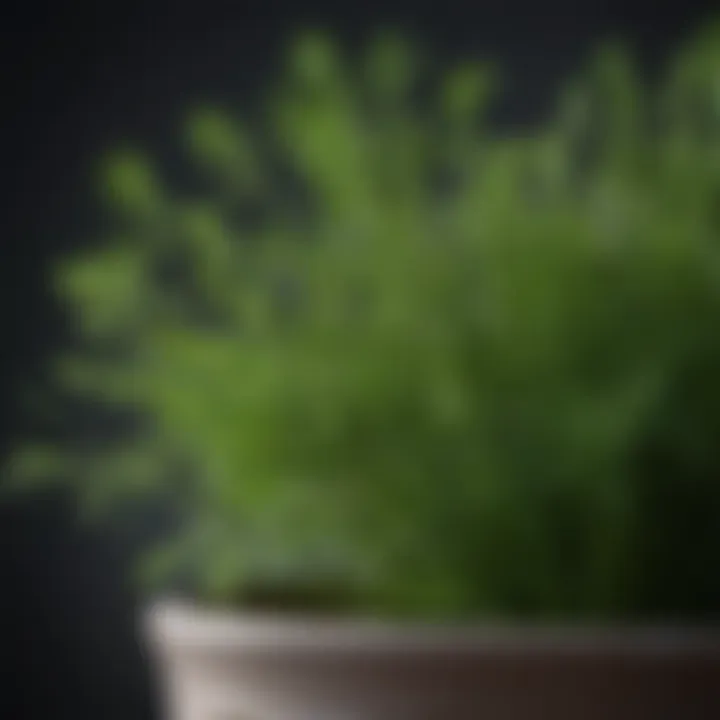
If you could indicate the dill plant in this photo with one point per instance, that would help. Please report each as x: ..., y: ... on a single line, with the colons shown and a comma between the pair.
x: 390, y: 349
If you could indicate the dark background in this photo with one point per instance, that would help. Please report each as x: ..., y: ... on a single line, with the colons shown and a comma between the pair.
x: 75, y: 80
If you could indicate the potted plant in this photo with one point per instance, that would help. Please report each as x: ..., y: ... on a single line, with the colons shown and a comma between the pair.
x: 452, y: 391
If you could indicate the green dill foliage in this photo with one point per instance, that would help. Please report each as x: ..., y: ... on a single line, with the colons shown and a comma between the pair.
x: 457, y: 371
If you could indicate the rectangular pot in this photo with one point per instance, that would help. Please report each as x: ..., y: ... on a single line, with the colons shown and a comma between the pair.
x: 214, y: 665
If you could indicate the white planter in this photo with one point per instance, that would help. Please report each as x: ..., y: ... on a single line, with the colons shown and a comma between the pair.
x: 214, y: 665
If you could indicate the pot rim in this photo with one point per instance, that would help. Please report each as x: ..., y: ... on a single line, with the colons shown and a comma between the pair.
x: 188, y: 624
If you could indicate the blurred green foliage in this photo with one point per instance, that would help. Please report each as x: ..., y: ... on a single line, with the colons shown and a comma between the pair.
x: 461, y: 371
